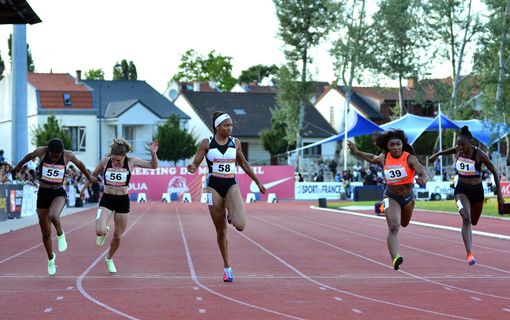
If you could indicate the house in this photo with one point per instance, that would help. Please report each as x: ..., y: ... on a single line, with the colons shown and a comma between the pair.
x: 130, y: 109
x: 92, y: 112
x: 251, y: 113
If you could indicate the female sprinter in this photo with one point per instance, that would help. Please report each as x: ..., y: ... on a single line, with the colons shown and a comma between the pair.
x: 222, y: 153
x: 469, y: 190
x: 116, y: 169
x: 400, y: 166
x: 51, y: 196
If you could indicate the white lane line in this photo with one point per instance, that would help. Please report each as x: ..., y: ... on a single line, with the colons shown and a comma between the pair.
x: 196, y: 288
x: 356, y: 310
x: 60, y: 298
x: 423, y: 224
x: 195, y: 279
x: 448, y: 288
x: 40, y: 244
x: 338, y: 299
x: 476, y: 299
x: 382, y: 264
x: 199, y: 298
x: 79, y: 281
x: 506, y: 309
x: 334, y: 288
x: 201, y: 311
x: 47, y: 310
x: 323, y: 289
x: 70, y: 288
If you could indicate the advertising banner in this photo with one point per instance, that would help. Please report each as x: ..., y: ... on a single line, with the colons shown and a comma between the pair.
x: 315, y: 190
x: 177, y: 180
x: 505, y: 188
x: 14, y: 200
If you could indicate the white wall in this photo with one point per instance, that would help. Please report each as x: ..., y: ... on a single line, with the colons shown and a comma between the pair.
x: 195, y: 124
x: 336, y: 100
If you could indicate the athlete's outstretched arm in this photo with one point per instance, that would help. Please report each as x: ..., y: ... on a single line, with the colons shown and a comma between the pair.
x: 100, y: 167
x: 38, y: 152
x: 370, y: 157
x: 423, y: 177
x: 433, y: 157
x: 199, y: 156
x: 71, y: 157
x: 241, y: 160
x: 484, y: 158
x: 153, y: 163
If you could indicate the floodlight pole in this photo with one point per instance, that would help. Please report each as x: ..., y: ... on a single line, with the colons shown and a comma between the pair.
x: 440, y: 141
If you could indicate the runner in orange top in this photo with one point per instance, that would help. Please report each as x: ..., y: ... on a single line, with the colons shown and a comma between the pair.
x: 400, y: 167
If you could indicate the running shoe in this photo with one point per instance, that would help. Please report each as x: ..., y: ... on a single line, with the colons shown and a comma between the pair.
x: 471, y: 260
x: 52, y: 267
x: 110, y: 265
x: 397, y: 261
x: 228, y: 275
x: 101, y: 239
x: 62, y: 243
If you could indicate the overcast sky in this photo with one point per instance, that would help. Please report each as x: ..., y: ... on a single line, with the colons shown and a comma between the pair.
x: 154, y: 34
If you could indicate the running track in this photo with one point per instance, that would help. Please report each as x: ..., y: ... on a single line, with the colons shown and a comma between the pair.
x: 291, y: 262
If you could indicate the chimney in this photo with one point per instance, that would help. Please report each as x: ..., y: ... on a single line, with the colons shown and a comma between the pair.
x: 410, y: 83
x: 78, y: 76
x: 196, y: 86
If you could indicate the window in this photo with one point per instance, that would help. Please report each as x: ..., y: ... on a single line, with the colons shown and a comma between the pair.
x: 239, y: 112
x: 313, y: 151
x: 78, y: 138
x: 67, y: 100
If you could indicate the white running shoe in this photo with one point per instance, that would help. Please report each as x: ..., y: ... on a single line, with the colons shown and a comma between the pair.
x: 101, y: 239
x: 110, y: 265
x: 52, y: 267
x: 62, y: 243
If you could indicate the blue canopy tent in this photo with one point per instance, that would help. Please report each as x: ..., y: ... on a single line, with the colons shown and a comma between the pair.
x: 358, y: 125
x: 485, y: 131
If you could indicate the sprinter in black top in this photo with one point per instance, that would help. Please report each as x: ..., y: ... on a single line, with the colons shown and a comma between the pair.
x: 51, y: 197
x: 469, y: 194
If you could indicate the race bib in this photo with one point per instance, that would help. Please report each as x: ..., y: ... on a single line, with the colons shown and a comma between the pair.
x: 465, y: 167
x: 224, y: 168
x: 116, y: 176
x: 395, y: 174
x: 53, y: 173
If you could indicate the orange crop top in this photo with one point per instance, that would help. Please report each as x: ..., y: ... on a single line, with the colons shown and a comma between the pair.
x: 397, y: 171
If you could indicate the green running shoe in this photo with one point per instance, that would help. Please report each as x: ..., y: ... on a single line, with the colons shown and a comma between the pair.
x: 101, y: 239
x: 110, y: 265
x: 52, y: 267
x: 397, y: 261
x: 62, y: 243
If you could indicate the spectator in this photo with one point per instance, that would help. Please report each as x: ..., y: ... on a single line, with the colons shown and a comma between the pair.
x: 369, y: 179
x: 332, y: 166
x: 2, y: 159
x: 300, y: 177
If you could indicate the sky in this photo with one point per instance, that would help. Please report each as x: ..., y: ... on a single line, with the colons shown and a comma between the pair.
x: 82, y: 35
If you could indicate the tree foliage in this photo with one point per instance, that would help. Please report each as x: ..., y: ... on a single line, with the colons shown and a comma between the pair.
x: 257, y: 73
x: 213, y: 66
x: 124, y: 71
x: 273, y: 139
x: 42, y: 134
x: 94, y: 74
x: 2, y: 67
x: 30, y: 61
x: 175, y: 143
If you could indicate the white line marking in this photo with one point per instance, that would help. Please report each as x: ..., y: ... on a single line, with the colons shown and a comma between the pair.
x: 40, y: 244
x: 338, y: 299
x: 48, y: 310
x: 84, y: 274
x: 198, y: 298
x: 448, y: 288
x: 194, y: 277
x: 60, y: 298
x: 322, y: 288
x: 70, y: 288
x: 356, y: 311
x: 475, y: 298
x: 201, y: 311
x: 333, y: 288
x: 505, y: 309
x: 423, y: 224
x: 196, y: 288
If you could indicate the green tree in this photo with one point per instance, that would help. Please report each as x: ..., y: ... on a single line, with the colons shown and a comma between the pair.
x: 94, y: 74
x: 273, y: 139
x: 2, y: 67
x: 257, y: 73
x: 42, y: 134
x: 124, y: 70
x: 132, y: 71
x: 302, y: 26
x: 30, y: 61
x: 398, y: 40
x: 175, y: 143
x: 215, y: 67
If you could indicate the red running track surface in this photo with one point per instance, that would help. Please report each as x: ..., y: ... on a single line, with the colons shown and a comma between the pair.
x: 291, y: 262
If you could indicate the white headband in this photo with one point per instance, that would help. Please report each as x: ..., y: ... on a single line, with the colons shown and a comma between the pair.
x: 220, y: 119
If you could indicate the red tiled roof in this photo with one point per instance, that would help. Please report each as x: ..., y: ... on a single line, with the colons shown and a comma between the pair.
x: 55, y: 82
